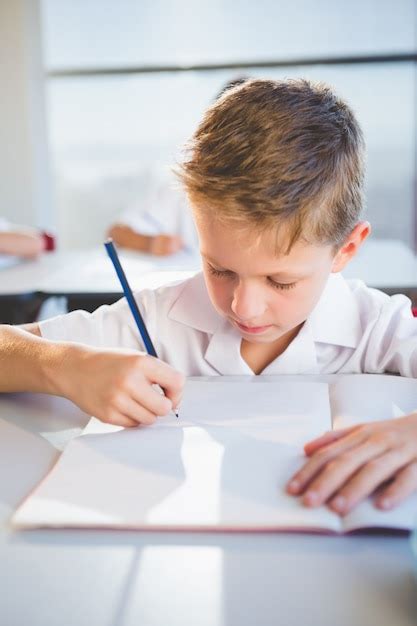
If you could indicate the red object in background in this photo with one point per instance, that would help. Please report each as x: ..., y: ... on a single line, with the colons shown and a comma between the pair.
x: 49, y: 241
x: 415, y: 311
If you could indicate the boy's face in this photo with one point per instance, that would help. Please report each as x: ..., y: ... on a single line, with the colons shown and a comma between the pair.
x: 264, y: 295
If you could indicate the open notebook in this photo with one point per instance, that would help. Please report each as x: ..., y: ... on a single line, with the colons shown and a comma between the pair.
x: 222, y: 465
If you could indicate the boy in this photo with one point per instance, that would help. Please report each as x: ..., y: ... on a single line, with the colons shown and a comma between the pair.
x: 274, y: 176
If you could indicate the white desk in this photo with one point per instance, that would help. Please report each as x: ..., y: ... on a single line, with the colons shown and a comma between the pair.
x: 113, y: 578
x: 91, y: 271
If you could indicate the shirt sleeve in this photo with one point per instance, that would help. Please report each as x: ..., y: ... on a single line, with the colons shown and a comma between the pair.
x: 110, y: 326
x: 7, y: 260
x: 141, y: 220
x: 146, y: 215
x: 392, y: 342
x: 162, y: 210
x: 4, y: 225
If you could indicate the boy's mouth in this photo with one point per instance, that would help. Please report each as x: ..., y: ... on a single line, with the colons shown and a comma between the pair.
x: 252, y: 330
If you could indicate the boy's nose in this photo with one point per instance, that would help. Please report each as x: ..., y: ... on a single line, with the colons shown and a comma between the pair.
x: 247, y: 303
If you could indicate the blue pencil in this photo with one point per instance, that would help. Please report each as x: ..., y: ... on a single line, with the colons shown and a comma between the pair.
x: 140, y: 323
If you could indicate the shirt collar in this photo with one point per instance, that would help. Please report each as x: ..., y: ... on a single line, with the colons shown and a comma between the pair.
x: 335, y: 318
x: 193, y: 306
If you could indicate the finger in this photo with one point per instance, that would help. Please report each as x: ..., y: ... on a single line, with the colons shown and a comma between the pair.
x: 152, y: 397
x: 136, y: 411
x: 146, y: 399
x: 366, y: 480
x: 127, y: 422
x: 171, y: 381
x: 324, y: 455
x: 169, y: 402
x: 326, y: 439
x: 118, y: 419
x: 335, y: 473
x: 176, y: 399
x: 403, y: 485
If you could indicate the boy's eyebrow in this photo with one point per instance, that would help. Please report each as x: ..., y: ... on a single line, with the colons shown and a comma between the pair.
x: 272, y: 274
x: 284, y: 275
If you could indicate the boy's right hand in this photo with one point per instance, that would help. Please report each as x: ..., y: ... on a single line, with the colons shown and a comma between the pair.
x: 116, y: 386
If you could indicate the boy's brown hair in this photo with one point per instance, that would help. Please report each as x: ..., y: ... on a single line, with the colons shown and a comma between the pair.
x: 269, y: 153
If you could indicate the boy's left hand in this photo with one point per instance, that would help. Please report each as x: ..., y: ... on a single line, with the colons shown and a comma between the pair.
x: 348, y: 465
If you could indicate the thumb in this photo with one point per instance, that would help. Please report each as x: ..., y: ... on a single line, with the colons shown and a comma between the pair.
x: 169, y: 379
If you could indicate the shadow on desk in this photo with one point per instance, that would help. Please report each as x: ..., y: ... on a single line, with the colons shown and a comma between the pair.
x: 91, y: 301
x: 20, y: 309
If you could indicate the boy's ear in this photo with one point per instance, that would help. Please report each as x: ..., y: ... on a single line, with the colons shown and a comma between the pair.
x: 351, y: 246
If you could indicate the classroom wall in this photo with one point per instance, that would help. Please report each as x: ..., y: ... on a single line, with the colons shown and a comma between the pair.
x: 107, y: 130
x: 25, y: 181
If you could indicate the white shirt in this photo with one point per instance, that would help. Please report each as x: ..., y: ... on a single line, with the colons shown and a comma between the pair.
x: 352, y: 329
x: 163, y: 209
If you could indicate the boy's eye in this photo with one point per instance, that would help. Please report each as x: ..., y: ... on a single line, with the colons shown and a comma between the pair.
x: 216, y: 272
x: 227, y: 274
x: 276, y: 285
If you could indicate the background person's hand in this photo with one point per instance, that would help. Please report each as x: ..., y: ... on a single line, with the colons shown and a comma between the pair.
x: 116, y: 386
x: 164, y: 245
x: 27, y: 244
x: 348, y: 465
x: 35, y: 246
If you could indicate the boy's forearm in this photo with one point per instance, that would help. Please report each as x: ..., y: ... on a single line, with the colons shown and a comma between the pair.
x: 30, y: 363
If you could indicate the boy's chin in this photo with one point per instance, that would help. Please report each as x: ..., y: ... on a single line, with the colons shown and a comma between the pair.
x: 269, y: 336
x: 273, y: 334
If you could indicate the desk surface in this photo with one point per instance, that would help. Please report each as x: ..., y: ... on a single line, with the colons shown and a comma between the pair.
x: 123, y: 578
x: 90, y: 271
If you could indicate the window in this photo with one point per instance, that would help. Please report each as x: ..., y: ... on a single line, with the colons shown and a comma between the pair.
x: 107, y: 128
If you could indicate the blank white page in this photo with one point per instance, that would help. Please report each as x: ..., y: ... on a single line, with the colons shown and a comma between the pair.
x: 222, y: 465
x: 358, y: 398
